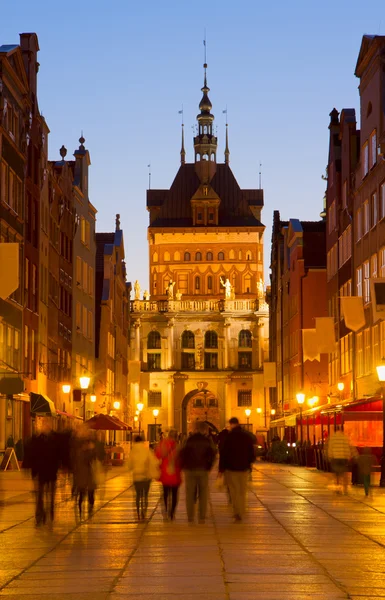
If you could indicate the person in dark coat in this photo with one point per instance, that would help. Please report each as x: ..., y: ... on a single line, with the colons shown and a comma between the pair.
x: 235, y: 462
x: 85, y: 457
x: 42, y: 456
x: 197, y: 459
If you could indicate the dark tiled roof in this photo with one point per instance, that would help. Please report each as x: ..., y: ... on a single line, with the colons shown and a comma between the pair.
x: 101, y: 240
x: 5, y: 48
x: 174, y: 208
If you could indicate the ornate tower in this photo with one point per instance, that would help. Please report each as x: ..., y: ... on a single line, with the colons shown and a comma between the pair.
x: 205, y: 143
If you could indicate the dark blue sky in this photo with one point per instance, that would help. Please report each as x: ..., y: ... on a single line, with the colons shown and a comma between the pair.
x: 120, y: 71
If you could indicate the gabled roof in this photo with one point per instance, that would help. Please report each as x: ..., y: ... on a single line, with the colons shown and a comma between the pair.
x: 174, y: 205
x: 369, y: 45
x: 13, y: 55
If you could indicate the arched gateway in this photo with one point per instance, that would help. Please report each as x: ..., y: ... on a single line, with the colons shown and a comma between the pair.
x: 199, y: 405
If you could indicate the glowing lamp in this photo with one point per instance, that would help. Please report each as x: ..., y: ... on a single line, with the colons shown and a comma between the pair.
x: 93, y: 398
x: 66, y: 388
x: 116, y: 405
x: 84, y: 382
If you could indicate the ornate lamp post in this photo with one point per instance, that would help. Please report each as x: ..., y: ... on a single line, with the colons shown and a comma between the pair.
x: 300, y: 399
x: 84, y: 383
x: 381, y: 379
x: 247, y: 413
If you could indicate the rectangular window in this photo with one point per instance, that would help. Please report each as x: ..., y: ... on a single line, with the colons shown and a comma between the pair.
x: 359, y: 352
x: 376, y: 344
x: 244, y: 360
x: 373, y: 149
x: 367, y: 352
x: 365, y: 160
x: 374, y: 210
x: 211, y: 360
x: 188, y: 361
x: 366, y: 218
x: 90, y: 281
x: 154, y: 399
x: 78, y: 316
x: 366, y: 275
x: 332, y: 216
x: 373, y: 266
x: 84, y: 321
x: 382, y: 201
x: 83, y: 230
x: 153, y: 361
x: 34, y: 288
x: 359, y: 281
x: 85, y: 276
x: 244, y: 398
x: 382, y: 261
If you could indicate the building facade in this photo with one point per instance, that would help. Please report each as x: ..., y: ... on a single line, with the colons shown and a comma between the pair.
x: 298, y: 298
x: 111, y: 325
x: 199, y: 338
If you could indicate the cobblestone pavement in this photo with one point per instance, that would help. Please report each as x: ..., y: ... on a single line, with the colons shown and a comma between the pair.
x: 300, y: 540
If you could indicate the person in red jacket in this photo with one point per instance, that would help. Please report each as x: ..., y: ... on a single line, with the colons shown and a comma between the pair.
x: 170, y: 471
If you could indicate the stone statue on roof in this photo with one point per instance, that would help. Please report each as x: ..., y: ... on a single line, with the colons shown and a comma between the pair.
x: 137, y: 290
x: 170, y: 290
x: 228, y: 288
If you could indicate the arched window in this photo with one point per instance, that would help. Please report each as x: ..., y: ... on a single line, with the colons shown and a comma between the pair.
x: 221, y: 256
x: 197, y: 283
x: 198, y: 256
x: 244, y: 339
x: 177, y: 255
x: 155, y: 257
x: 231, y: 255
x: 247, y: 284
x: 197, y: 157
x: 166, y: 256
x: 205, y: 156
x: 211, y: 339
x: 153, y: 340
x: 187, y: 256
x: 209, y: 256
x: 248, y: 255
x: 205, y: 129
x: 209, y: 283
x: 188, y: 340
x: 213, y: 157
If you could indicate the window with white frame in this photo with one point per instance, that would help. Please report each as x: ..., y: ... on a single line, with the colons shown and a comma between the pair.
x: 367, y: 352
x: 373, y: 149
x: 374, y: 210
x: 366, y: 218
x: 365, y: 160
x: 373, y: 266
x: 366, y: 275
x: 345, y: 246
x: 376, y: 344
x: 359, y: 281
x: 382, y: 262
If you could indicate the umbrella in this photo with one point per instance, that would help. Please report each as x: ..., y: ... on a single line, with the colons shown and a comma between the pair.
x: 124, y: 425
x: 106, y: 423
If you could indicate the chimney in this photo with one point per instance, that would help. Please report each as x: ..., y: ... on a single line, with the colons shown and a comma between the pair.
x: 29, y: 45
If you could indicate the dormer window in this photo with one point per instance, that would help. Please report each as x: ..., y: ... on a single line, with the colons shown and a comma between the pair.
x: 199, y: 216
x: 211, y: 216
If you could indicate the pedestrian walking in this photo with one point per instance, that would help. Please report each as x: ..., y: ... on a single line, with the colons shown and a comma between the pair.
x: 339, y: 454
x: 197, y: 459
x: 235, y: 463
x: 170, y: 472
x: 84, y: 471
x: 145, y: 467
x: 42, y: 456
x: 366, y: 462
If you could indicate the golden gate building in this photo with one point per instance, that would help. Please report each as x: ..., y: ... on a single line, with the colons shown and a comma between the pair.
x: 199, y: 334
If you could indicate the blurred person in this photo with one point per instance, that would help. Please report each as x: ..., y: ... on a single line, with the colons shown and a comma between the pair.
x: 42, y: 456
x: 366, y: 462
x: 84, y: 470
x: 197, y: 459
x: 145, y: 467
x: 235, y: 462
x: 339, y: 454
x: 170, y: 471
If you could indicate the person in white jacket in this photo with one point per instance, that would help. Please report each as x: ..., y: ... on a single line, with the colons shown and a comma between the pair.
x: 145, y: 467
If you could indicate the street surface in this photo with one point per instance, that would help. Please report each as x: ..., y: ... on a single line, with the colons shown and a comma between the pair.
x: 299, y: 541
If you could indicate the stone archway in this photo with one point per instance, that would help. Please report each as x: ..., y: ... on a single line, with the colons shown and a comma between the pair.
x: 192, y: 411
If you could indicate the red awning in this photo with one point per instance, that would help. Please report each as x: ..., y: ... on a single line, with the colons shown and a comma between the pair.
x: 107, y: 423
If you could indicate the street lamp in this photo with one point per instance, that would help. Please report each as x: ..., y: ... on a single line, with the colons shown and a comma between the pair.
x: 155, y: 412
x: 116, y: 405
x: 272, y: 412
x: 300, y: 399
x: 66, y: 388
x: 140, y: 407
x: 247, y: 413
x: 84, y: 383
x: 259, y: 410
x: 93, y: 397
x: 381, y: 379
x: 340, y: 386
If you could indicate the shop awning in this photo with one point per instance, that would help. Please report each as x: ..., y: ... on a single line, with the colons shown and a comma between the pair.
x: 41, y: 405
x: 106, y: 423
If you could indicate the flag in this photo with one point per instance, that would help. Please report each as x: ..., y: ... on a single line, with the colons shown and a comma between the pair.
x: 180, y: 112
x: 149, y: 166
x: 224, y: 111
x: 310, y: 345
x: 352, y: 308
x: 326, y: 334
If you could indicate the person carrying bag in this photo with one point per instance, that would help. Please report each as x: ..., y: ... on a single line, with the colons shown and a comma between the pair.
x: 145, y: 467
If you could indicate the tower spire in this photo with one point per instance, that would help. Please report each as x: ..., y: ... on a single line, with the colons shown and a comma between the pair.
x: 205, y: 142
x: 227, y: 151
x: 182, y: 150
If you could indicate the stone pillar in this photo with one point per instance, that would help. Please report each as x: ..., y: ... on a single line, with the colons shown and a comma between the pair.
x: 170, y: 354
x: 137, y: 339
